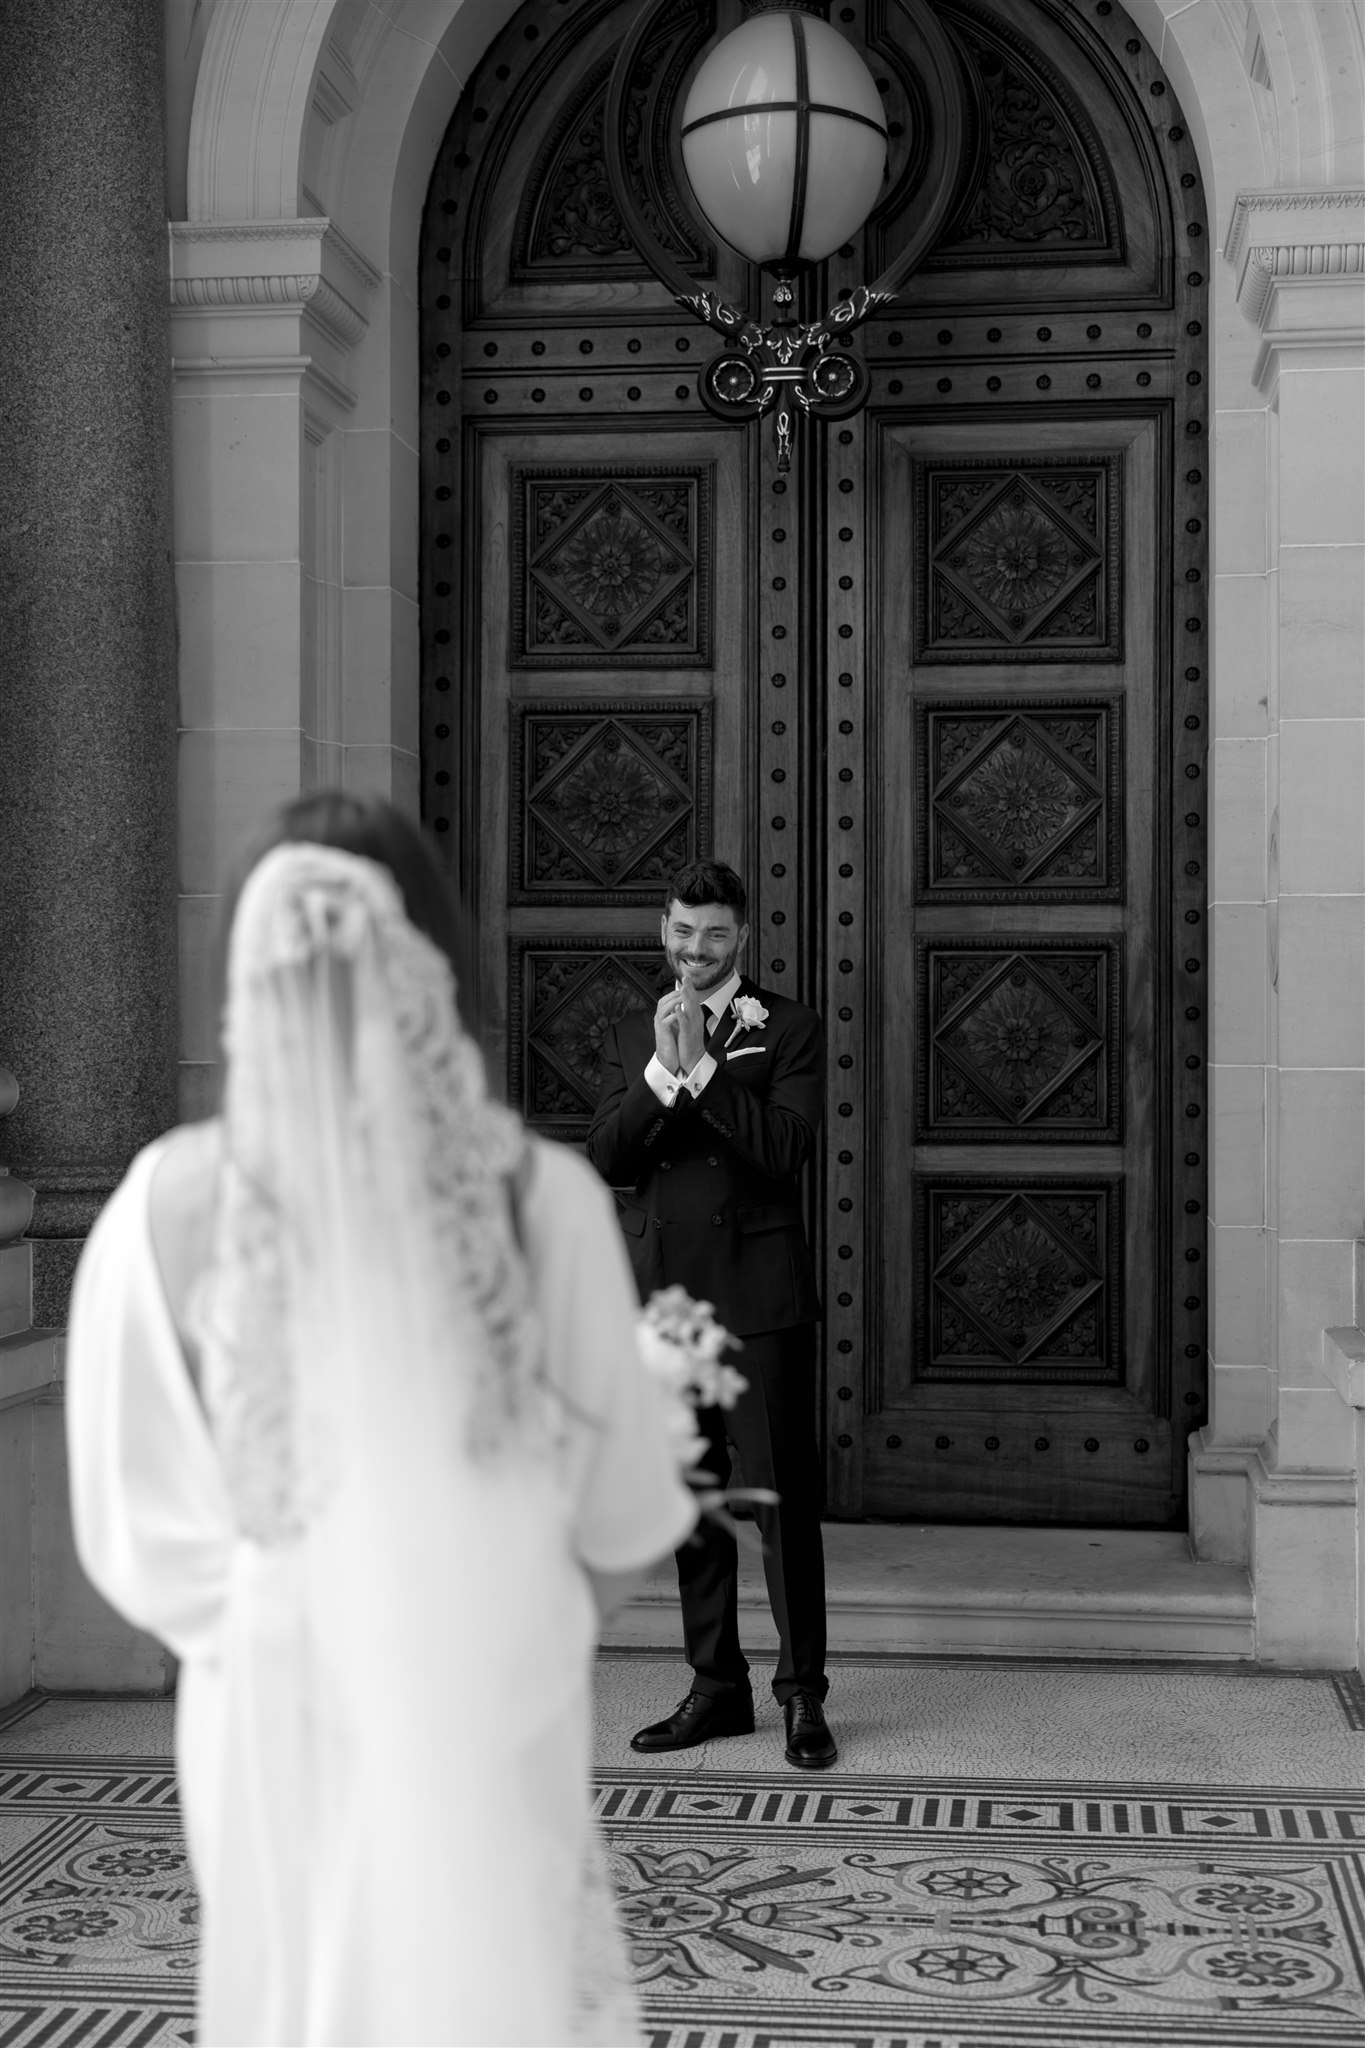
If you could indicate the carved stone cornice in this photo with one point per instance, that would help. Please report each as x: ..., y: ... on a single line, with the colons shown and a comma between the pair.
x: 315, y: 228
x: 232, y: 267
x: 336, y: 316
x: 1294, y: 239
x: 1290, y: 208
x: 1269, y: 264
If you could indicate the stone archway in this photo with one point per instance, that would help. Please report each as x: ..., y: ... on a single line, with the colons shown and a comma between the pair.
x: 296, y: 347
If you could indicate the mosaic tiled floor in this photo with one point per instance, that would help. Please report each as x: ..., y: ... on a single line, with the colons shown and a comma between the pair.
x: 985, y: 1869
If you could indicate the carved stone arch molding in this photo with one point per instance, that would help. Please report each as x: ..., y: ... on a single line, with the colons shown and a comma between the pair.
x: 251, y: 104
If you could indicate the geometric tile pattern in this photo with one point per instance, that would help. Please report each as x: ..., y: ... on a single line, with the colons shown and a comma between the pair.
x: 1012, y: 1813
x: 99, y: 1917
x: 563, y: 998
x: 874, y: 1908
x: 94, y: 2023
x: 1022, y: 1042
x: 1020, y: 801
x: 611, y: 567
x: 1018, y: 561
x: 606, y: 799
x: 1010, y: 1913
x: 1021, y: 1279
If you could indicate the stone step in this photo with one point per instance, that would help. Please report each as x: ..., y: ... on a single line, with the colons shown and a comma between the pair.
x: 1027, y: 1592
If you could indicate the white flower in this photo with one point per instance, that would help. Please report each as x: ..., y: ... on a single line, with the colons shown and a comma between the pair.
x: 680, y: 1346
x: 750, y: 1012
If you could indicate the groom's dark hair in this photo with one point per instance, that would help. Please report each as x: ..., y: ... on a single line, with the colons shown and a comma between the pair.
x: 707, y: 881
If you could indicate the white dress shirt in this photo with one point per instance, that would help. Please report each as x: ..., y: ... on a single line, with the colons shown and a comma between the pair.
x: 669, y: 1086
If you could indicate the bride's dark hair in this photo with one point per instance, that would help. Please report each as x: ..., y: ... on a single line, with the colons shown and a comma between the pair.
x: 377, y: 831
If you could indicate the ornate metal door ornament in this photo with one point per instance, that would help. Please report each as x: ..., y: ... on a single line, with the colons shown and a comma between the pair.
x: 785, y: 146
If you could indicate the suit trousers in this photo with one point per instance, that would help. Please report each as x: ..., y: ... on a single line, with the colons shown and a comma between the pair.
x: 772, y: 1427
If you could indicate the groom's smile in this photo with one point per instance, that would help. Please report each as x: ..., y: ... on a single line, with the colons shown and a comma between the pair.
x: 702, y: 943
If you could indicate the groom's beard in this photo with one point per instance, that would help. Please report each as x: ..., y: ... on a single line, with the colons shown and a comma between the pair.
x: 704, y: 977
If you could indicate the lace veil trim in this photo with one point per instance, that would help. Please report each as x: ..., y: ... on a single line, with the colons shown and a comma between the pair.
x: 363, y: 1226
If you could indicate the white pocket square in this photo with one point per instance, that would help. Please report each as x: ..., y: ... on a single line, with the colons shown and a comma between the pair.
x: 742, y: 1052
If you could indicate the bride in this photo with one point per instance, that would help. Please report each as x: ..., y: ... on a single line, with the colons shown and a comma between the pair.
x: 357, y: 1426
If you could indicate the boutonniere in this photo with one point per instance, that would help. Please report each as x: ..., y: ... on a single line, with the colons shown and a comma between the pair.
x: 750, y: 1013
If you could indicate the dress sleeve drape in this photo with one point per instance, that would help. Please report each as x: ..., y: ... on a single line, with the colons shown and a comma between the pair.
x: 153, y: 1524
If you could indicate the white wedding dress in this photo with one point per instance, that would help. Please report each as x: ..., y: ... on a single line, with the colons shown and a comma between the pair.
x: 366, y: 1545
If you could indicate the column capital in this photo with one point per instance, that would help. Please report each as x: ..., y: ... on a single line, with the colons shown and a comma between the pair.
x: 1299, y: 258
x: 263, y: 296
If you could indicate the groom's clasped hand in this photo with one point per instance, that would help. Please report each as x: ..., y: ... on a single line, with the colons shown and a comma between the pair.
x: 680, y: 1026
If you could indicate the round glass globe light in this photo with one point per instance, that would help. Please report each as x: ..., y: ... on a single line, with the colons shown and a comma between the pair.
x: 784, y: 140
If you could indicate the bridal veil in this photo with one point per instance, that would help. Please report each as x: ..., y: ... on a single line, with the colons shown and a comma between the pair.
x: 365, y: 1544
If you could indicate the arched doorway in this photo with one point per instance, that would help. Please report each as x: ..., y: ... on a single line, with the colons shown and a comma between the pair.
x: 940, y: 694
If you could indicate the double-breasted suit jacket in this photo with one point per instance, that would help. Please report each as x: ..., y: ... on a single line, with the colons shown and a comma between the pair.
x: 715, y: 1202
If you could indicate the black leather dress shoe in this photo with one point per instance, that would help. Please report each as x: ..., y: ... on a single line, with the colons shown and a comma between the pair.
x: 810, y: 1746
x: 698, y: 1718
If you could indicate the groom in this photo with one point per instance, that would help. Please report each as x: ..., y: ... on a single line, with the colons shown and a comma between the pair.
x: 709, y: 1108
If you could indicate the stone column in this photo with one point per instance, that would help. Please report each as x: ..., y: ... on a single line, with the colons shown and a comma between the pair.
x: 1278, y: 1467
x: 87, y: 630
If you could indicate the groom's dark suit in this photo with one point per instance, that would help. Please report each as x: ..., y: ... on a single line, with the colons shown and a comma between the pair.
x: 715, y: 1207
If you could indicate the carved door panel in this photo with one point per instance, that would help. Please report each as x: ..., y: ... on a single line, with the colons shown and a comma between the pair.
x: 610, y: 748
x: 1016, y: 711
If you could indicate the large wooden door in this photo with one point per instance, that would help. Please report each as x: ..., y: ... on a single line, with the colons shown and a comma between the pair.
x: 588, y: 608
x: 938, y: 693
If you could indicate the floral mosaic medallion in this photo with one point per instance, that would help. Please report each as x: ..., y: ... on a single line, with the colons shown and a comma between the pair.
x: 99, y: 1918
x: 854, y: 1915
x: 869, y: 1909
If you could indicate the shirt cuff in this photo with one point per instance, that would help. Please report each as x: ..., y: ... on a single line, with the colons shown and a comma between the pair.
x: 661, y: 1083
x: 699, y: 1076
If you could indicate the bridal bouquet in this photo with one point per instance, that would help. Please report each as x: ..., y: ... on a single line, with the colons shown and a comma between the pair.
x: 680, y: 1345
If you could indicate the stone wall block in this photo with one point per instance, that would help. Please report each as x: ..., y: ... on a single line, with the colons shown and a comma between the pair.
x: 1241, y: 1405
x: 1322, y: 632
x: 1322, y: 806
x: 1238, y: 1254
x: 1322, y: 981
x: 1303, y: 1546
x: 1322, y: 1154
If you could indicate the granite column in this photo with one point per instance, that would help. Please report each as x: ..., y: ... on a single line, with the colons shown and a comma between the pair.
x: 87, y: 625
